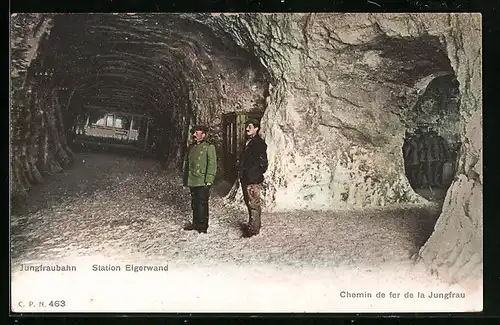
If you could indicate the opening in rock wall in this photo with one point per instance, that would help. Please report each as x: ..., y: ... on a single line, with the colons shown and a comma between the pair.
x: 143, y: 80
x: 432, y: 140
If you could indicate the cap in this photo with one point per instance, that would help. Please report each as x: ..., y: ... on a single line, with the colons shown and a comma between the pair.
x: 253, y: 121
x: 199, y: 128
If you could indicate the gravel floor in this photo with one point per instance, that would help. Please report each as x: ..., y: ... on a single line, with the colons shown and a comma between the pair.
x: 119, y: 206
x: 110, y: 209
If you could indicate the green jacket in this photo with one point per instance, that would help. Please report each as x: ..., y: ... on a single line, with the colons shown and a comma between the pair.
x: 200, y: 165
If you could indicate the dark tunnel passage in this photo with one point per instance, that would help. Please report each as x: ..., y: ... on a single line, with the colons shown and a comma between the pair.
x: 432, y: 140
x: 143, y: 81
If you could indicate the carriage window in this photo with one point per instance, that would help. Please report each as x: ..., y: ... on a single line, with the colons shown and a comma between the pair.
x: 109, y: 120
x: 119, y: 123
x: 101, y: 121
x: 122, y: 122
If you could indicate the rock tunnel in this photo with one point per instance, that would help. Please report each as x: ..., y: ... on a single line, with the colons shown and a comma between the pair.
x: 336, y: 92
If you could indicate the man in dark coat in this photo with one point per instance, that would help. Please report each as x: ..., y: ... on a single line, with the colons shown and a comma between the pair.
x: 253, y: 165
x: 432, y: 148
x: 411, y: 150
x: 423, y: 157
x: 444, y: 155
x: 200, y: 166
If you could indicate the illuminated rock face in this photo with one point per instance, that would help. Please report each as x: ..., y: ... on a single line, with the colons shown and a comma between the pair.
x: 337, y: 91
x: 347, y: 85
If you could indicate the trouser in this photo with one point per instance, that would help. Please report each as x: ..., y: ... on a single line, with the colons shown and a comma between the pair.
x: 199, y: 204
x: 251, y: 194
x: 414, y: 175
x: 430, y: 170
x: 439, y: 173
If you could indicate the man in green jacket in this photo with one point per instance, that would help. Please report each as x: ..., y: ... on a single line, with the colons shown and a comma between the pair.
x: 200, y: 166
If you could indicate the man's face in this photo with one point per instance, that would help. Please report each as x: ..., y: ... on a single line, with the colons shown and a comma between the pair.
x: 198, y: 136
x: 251, y: 130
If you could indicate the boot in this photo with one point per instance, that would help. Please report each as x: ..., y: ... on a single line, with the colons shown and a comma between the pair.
x: 190, y: 226
x: 252, y: 228
x: 246, y: 233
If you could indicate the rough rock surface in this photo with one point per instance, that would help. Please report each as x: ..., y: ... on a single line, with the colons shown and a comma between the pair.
x: 26, y: 34
x: 334, y: 125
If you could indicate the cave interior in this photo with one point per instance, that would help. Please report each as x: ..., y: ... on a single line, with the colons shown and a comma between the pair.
x: 437, y: 109
x: 145, y: 80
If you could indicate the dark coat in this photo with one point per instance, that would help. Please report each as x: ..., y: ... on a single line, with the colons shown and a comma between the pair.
x: 253, y: 161
x: 411, y: 149
x: 444, y: 149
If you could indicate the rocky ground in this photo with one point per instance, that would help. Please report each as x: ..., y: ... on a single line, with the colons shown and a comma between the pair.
x: 108, y: 203
x: 129, y: 209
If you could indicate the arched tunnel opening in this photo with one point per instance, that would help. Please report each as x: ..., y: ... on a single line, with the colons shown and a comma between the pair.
x: 159, y: 73
x: 102, y: 112
x: 432, y: 138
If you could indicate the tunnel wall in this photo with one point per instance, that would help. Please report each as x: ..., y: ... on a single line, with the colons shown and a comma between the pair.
x: 336, y: 106
x: 336, y: 94
x: 38, y: 145
x: 455, y: 249
x: 438, y: 108
x: 192, y: 77
x: 230, y: 88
